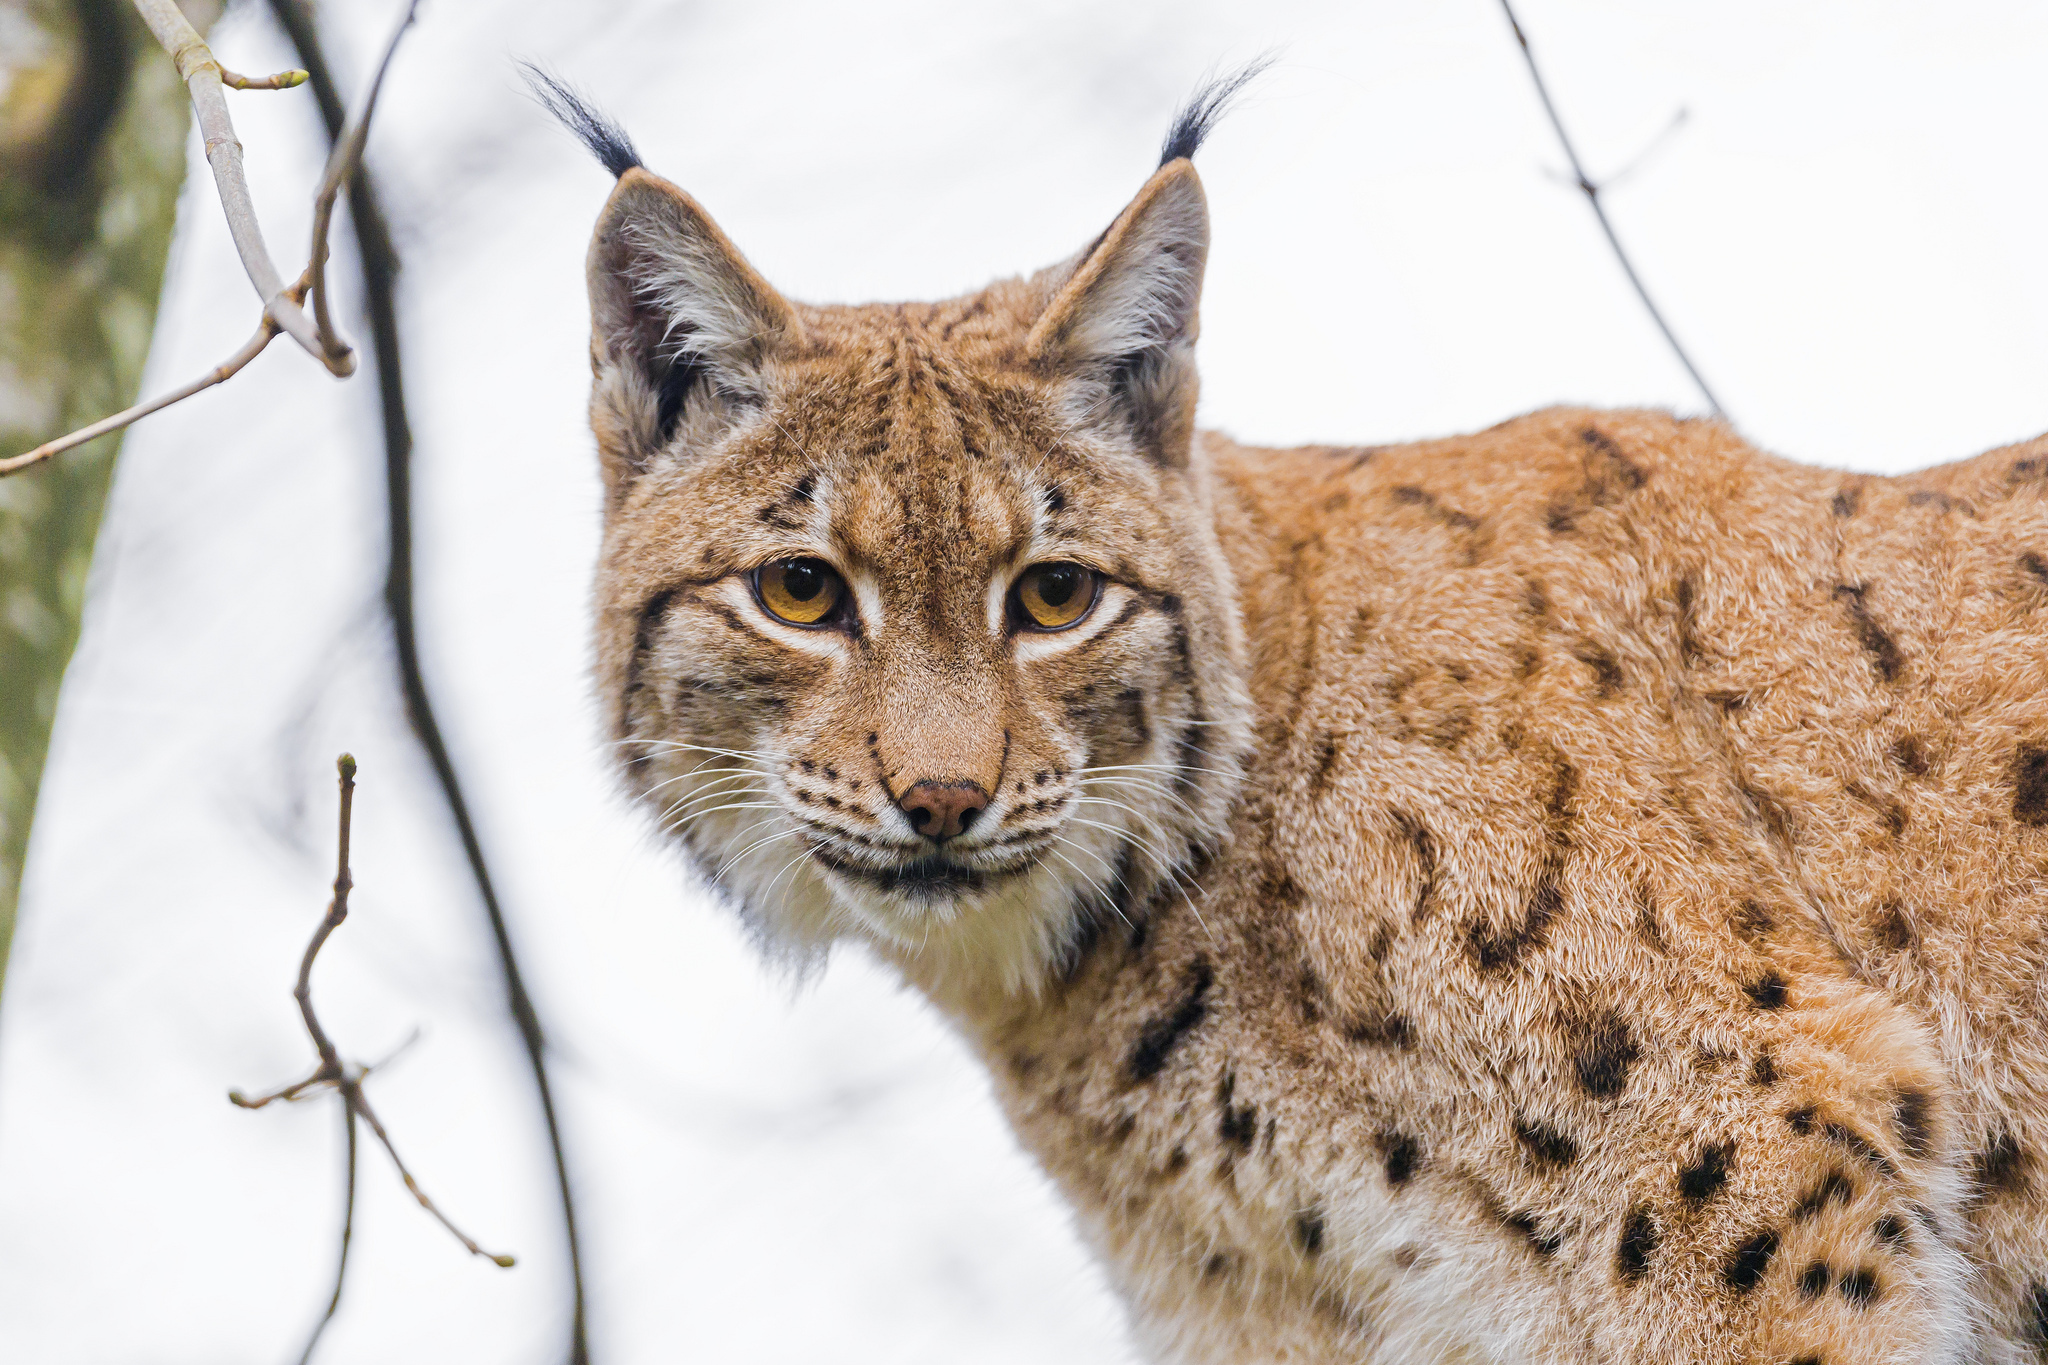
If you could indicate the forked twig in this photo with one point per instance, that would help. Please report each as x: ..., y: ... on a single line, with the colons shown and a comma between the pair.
x: 1591, y: 190
x: 283, y: 310
x: 333, y: 1072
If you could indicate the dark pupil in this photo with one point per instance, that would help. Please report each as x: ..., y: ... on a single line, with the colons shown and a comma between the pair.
x: 1056, y: 586
x: 802, y: 579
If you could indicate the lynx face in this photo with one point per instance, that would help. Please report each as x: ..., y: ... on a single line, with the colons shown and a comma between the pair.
x: 911, y: 618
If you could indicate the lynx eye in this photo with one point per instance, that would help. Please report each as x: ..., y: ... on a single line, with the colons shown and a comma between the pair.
x: 1055, y: 596
x: 802, y: 592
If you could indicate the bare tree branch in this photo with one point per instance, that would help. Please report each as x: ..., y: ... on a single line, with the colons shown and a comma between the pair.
x: 333, y: 1072
x: 282, y: 311
x: 201, y: 74
x: 1592, y: 193
x: 379, y: 260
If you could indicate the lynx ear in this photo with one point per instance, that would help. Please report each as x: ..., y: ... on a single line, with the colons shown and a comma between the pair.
x: 681, y: 325
x: 1124, y: 322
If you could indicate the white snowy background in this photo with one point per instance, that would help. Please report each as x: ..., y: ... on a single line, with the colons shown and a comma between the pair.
x: 1847, y: 231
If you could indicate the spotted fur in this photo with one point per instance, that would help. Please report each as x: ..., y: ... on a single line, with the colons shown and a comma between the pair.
x: 1574, y: 892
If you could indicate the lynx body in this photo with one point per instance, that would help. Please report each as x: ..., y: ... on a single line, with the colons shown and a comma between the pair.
x: 1570, y: 893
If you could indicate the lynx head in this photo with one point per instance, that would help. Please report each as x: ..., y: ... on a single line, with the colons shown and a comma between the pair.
x: 911, y: 619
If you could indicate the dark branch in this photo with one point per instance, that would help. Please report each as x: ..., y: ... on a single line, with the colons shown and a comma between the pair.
x: 333, y: 1071
x: 380, y: 274
x: 1592, y: 193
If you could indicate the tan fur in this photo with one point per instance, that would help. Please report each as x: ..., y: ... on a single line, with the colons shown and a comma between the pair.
x: 1569, y: 893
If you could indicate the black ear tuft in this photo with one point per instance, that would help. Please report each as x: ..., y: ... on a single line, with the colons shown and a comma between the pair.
x: 1191, y: 126
x: 606, y: 140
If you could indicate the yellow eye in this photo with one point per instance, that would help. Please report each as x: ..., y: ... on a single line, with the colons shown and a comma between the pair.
x: 803, y: 592
x: 1055, y: 596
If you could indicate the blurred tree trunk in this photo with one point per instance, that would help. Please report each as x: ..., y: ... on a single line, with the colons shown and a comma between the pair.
x: 92, y: 155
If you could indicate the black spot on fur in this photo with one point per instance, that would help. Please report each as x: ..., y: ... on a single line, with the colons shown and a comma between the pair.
x: 1546, y: 1145
x: 606, y: 140
x: 1496, y: 950
x: 1884, y: 652
x: 1192, y: 124
x: 1834, y: 1188
x: 1237, y: 1125
x: 1814, y: 1280
x: 1912, y: 1113
x: 1605, y: 1053
x: 1891, y: 1230
x: 2001, y: 1168
x: 1387, y: 1029
x: 1308, y: 1230
x: 1707, y: 1174
x: 1893, y: 928
x: 1860, y: 1287
x: 2030, y: 784
x: 1638, y: 1242
x: 1745, y: 1269
x: 1159, y: 1038
x: 1403, y: 1154
x: 1764, y: 1071
x: 1607, y: 675
x: 1752, y: 919
x: 1767, y: 992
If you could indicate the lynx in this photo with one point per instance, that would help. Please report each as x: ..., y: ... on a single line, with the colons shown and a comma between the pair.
x: 1574, y: 892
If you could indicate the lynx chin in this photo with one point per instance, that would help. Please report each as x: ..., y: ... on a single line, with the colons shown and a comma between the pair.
x: 1575, y: 892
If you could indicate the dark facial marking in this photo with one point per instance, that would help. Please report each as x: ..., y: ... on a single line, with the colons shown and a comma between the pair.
x: 1308, y: 1230
x: 1745, y: 1269
x: 1159, y: 1038
x: 1424, y: 843
x: 2037, y: 1318
x: 1767, y: 992
x: 1911, y: 1113
x: 1707, y: 1174
x: 1884, y: 652
x: 1403, y: 1154
x: 1546, y: 1146
x: 1638, y: 1242
x: 1834, y: 1188
x: 2030, y: 784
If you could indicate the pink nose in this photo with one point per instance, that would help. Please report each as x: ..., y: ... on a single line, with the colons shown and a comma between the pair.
x: 942, y: 810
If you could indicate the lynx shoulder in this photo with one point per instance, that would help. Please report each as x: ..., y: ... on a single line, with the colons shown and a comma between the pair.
x: 1571, y: 892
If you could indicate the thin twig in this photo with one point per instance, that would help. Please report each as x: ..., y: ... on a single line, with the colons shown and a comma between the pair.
x: 333, y: 1071
x: 227, y: 369
x: 348, y: 1227
x: 201, y: 74
x: 1592, y: 193
x: 342, y: 160
x: 379, y: 259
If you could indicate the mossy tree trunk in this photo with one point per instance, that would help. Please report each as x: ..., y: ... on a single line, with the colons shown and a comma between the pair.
x: 93, y: 122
